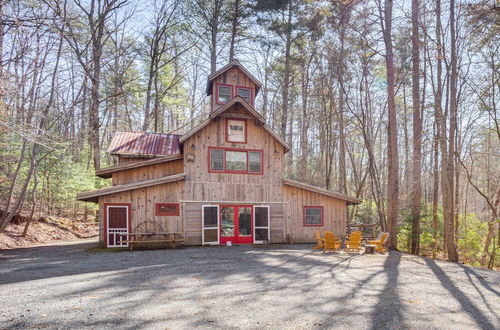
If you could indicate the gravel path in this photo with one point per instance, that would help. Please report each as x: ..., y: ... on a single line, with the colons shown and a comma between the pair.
x: 282, y: 286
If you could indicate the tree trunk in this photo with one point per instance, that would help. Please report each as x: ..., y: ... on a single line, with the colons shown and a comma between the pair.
x: 392, y: 132
x: 416, y: 199
x: 449, y: 210
x: 287, y: 73
x: 435, y: 193
x: 234, y: 29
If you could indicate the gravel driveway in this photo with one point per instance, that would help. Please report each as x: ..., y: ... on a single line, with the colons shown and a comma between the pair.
x: 282, y: 286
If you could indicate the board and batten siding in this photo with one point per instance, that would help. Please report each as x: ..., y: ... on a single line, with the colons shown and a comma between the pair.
x: 201, y: 185
x: 143, y: 202
x: 334, y: 214
x: 147, y: 172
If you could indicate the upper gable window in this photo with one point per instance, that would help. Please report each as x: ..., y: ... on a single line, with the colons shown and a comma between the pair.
x: 236, y: 130
x: 224, y: 93
x: 245, y: 93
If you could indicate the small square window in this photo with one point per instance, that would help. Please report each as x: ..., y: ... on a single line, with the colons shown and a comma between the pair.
x: 236, y: 130
x: 223, y: 94
x: 245, y: 94
x: 313, y: 215
x: 167, y: 209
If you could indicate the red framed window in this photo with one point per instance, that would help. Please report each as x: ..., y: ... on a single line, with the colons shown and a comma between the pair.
x: 245, y: 93
x: 236, y: 130
x: 313, y: 216
x: 231, y: 160
x: 224, y: 93
x: 169, y: 209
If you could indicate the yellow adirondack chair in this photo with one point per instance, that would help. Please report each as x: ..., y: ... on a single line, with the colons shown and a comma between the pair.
x: 319, y: 240
x: 331, y: 243
x: 354, y: 241
x: 380, y: 241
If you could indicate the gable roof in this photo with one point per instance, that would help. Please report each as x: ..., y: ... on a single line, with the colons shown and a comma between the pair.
x: 144, y: 144
x: 108, y: 171
x: 227, y: 106
x: 225, y: 68
x: 93, y: 196
x: 349, y: 200
x: 238, y: 100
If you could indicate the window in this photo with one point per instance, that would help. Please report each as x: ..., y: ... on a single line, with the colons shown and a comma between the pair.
x: 224, y: 93
x: 245, y: 93
x: 254, y: 161
x: 163, y: 209
x: 217, y: 159
x: 236, y: 130
x: 235, y: 160
x: 313, y: 215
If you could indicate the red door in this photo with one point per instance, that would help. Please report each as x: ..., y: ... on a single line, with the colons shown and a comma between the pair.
x: 236, y: 224
x: 117, y: 226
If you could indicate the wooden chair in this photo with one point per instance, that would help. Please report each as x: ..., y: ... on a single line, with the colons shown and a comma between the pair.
x: 331, y: 243
x: 380, y: 241
x: 320, y: 241
x: 353, y: 243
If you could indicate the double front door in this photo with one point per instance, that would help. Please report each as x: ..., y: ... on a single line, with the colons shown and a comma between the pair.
x: 236, y: 224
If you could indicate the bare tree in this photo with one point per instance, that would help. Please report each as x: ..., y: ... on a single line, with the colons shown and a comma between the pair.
x: 392, y: 131
x: 417, y: 132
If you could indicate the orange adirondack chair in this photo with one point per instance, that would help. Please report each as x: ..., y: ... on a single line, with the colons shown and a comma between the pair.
x: 380, y: 241
x: 354, y: 241
x: 319, y: 240
x: 331, y: 243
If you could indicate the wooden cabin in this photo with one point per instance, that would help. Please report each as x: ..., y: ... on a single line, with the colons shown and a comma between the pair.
x: 222, y: 181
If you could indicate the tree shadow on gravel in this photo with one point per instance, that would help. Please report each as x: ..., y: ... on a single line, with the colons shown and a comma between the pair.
x: 387, y: 313
x: 467, y: 305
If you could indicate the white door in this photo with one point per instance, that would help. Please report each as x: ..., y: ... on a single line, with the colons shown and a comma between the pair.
x: 261, y: 226
x: 117, y: 226
x: 210, y: 232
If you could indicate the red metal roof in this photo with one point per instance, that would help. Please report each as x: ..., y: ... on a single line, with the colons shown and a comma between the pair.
x: 144, y: 144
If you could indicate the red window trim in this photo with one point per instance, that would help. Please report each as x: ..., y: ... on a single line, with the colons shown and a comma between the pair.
x: 105, y: 224
x: 160, y: 213
x: 314, y: 207
x: 217, y: 92
x: 251, y: 92
x: 227, y: 130
x: 236, y: 172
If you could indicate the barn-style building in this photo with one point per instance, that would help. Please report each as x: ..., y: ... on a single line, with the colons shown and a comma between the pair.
x: 222, y: 181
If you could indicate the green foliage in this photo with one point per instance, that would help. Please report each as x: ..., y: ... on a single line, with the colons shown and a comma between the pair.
x: 366, y: 213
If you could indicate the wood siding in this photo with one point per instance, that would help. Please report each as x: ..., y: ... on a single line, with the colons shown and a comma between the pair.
x: 143, y: 206
x: 147, y: 172
x: 334, y: 214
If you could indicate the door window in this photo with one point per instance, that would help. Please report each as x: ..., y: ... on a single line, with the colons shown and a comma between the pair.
x: 262, y: 230
x: 210, y: 220
x: 244, y: 221
x: 227, y: 220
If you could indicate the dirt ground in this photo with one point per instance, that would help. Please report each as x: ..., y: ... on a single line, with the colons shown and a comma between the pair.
x: 47, y: 230
x: 276, y: 287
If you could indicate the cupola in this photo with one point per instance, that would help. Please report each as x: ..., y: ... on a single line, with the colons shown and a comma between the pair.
x: 230, y: 81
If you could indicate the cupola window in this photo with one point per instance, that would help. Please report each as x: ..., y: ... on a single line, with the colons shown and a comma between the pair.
x: 224, y: 93
x: 245, y: 93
